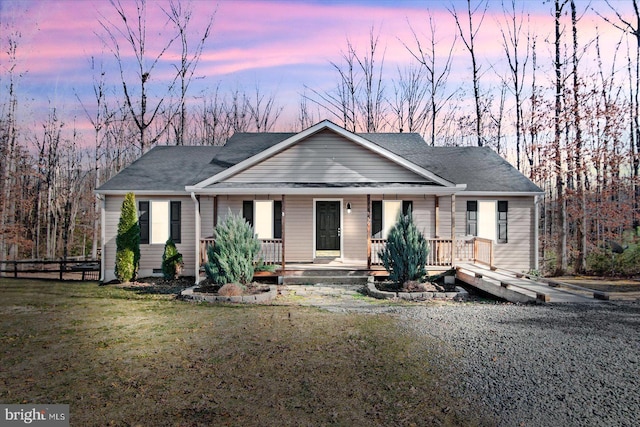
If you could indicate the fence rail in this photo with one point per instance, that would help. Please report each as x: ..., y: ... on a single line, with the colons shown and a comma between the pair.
x: 60, y: 269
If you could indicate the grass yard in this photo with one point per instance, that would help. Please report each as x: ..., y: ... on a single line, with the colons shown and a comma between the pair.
x: 119, y: 357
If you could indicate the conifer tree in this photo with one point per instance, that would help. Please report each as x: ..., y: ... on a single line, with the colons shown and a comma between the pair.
x: 128, y: 241
x: 231, y: 258
x: 171, y: 260
x: 405, y: 252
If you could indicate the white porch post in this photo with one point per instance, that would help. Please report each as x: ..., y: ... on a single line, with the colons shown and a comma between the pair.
x: 453, y: 229
x: 103, y: 233
x: 197, y: 243
x: 536, y: 216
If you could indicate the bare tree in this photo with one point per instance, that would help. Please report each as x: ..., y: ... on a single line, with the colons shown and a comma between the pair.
x: 437, y: 73
x: 371, y: 100
x: 358, y: 99
x: 180, y: 17
x: 468, y: 37
x: 132, y: 32
x: 632, y: 27
x: 561, y: 247
x: 511, y: 40
x: 100, y: 117
x: 581, y: 263
x: 9, y: 148
x: 408, y: 106
x: 263, y: 111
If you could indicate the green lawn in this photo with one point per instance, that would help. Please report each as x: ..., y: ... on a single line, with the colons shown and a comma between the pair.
x: 118, y: 357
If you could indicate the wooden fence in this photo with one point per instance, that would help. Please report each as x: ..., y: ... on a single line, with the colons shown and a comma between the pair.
x: 59, y: 270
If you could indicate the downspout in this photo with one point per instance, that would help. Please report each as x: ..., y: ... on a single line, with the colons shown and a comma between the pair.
x: 197, y: 248
x: 536, y: 219
x: 102, y: 235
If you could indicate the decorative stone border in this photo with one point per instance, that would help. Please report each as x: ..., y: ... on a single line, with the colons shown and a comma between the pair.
x: 459, y: 295
x: 262, y: 297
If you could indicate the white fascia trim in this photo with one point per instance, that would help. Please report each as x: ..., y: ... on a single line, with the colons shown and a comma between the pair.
x: 501, y: 193
x: 325, y: 124
x: 331, y: 191
x: 142, y: 193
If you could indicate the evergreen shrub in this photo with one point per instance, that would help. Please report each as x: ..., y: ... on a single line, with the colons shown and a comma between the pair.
x: 128, y: 241
x: 405, y: 253
x: 231, y: 257
x: 171, y: 260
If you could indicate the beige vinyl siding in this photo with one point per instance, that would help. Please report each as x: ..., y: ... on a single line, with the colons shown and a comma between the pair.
x: 206, y: 216
x: 354, y: 230
x: 445, y: 218
x: 326, y: 157
x: 150, y: 255
x: 299, y: 228
x: 518, y: 253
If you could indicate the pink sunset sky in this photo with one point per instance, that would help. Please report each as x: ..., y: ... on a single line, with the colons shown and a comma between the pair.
x: 280, y: 46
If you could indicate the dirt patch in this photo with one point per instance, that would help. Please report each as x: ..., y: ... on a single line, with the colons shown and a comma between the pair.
x: 619, y: 289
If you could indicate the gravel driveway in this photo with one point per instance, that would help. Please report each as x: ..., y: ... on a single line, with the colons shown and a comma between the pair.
x: 541, y: 365
x: 527, y: 365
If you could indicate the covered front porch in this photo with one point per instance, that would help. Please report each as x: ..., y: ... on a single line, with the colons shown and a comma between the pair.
x: 443, y: 254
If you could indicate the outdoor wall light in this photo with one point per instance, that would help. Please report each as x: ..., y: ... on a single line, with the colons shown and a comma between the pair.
x: 348, y: 208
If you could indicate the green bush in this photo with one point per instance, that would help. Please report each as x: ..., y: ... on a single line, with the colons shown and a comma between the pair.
x: 405, y: 253
x: 171, y: 260
x: 128, y: 241
x: 231, y: 257
x: 124, y: 265
x: 603, y: 262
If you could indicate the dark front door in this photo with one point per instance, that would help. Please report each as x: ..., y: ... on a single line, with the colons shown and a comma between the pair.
x: 327, y: 226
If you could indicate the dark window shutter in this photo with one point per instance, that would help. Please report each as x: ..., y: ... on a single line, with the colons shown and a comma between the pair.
x: 176, y: 214
x: 407, y: 206
x: 247, y: 211
x: 143, y: 222
x: 376, y: 219
x: 472, y: 218
x: 277, y: 219
x: 503, y: 208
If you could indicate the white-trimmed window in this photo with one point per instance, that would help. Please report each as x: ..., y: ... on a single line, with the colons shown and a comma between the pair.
x: 159, y: 220
x: 384, y: 214
x: 488, y: 219
x: 265, y: 216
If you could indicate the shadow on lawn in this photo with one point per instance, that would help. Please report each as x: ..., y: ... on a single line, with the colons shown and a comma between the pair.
x: 155, y: 285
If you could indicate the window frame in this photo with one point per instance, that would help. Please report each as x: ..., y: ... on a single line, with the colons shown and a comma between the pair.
x: 471, y: 227
x: 173, y: 224
x: 502, y: 218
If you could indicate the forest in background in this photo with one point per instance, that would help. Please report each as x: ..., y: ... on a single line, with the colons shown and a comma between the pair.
x: 572, y: 129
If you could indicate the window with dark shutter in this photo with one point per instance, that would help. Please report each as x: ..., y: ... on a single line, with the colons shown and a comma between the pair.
x: 376, y: 219
x: 503, y: 208
x: 247, y: 211
x: 143, y: 222
x: 174, y: 220
x: 277, y: 219
x: 472, y: 218
x: 407, y: 206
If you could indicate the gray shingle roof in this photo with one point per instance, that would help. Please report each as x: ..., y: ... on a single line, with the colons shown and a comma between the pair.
x: 171, y: 168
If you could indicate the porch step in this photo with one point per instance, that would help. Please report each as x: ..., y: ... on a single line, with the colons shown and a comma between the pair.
x: 327, y: 276
x: 306, y: 279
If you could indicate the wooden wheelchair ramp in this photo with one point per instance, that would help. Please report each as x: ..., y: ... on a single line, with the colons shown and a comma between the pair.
x: 523, y: 288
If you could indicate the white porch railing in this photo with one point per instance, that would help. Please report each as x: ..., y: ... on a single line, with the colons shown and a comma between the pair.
x: 270, y: 250
x: 474, y: 250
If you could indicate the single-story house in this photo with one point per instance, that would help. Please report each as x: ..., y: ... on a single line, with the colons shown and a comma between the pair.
x: 326, y: 193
